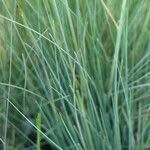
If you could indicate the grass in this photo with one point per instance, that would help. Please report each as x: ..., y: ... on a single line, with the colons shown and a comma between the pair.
x: 74, y: 74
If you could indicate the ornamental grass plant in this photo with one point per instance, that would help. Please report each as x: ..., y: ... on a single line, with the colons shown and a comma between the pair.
x: 74, y: 74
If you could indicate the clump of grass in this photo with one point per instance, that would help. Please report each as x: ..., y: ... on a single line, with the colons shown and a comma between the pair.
x: 74, y: 74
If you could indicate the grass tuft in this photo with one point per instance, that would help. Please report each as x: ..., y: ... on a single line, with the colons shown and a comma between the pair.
x: 74, y: 74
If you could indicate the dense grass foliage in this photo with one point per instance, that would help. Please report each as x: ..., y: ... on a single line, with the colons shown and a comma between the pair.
x: 74, y: 74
